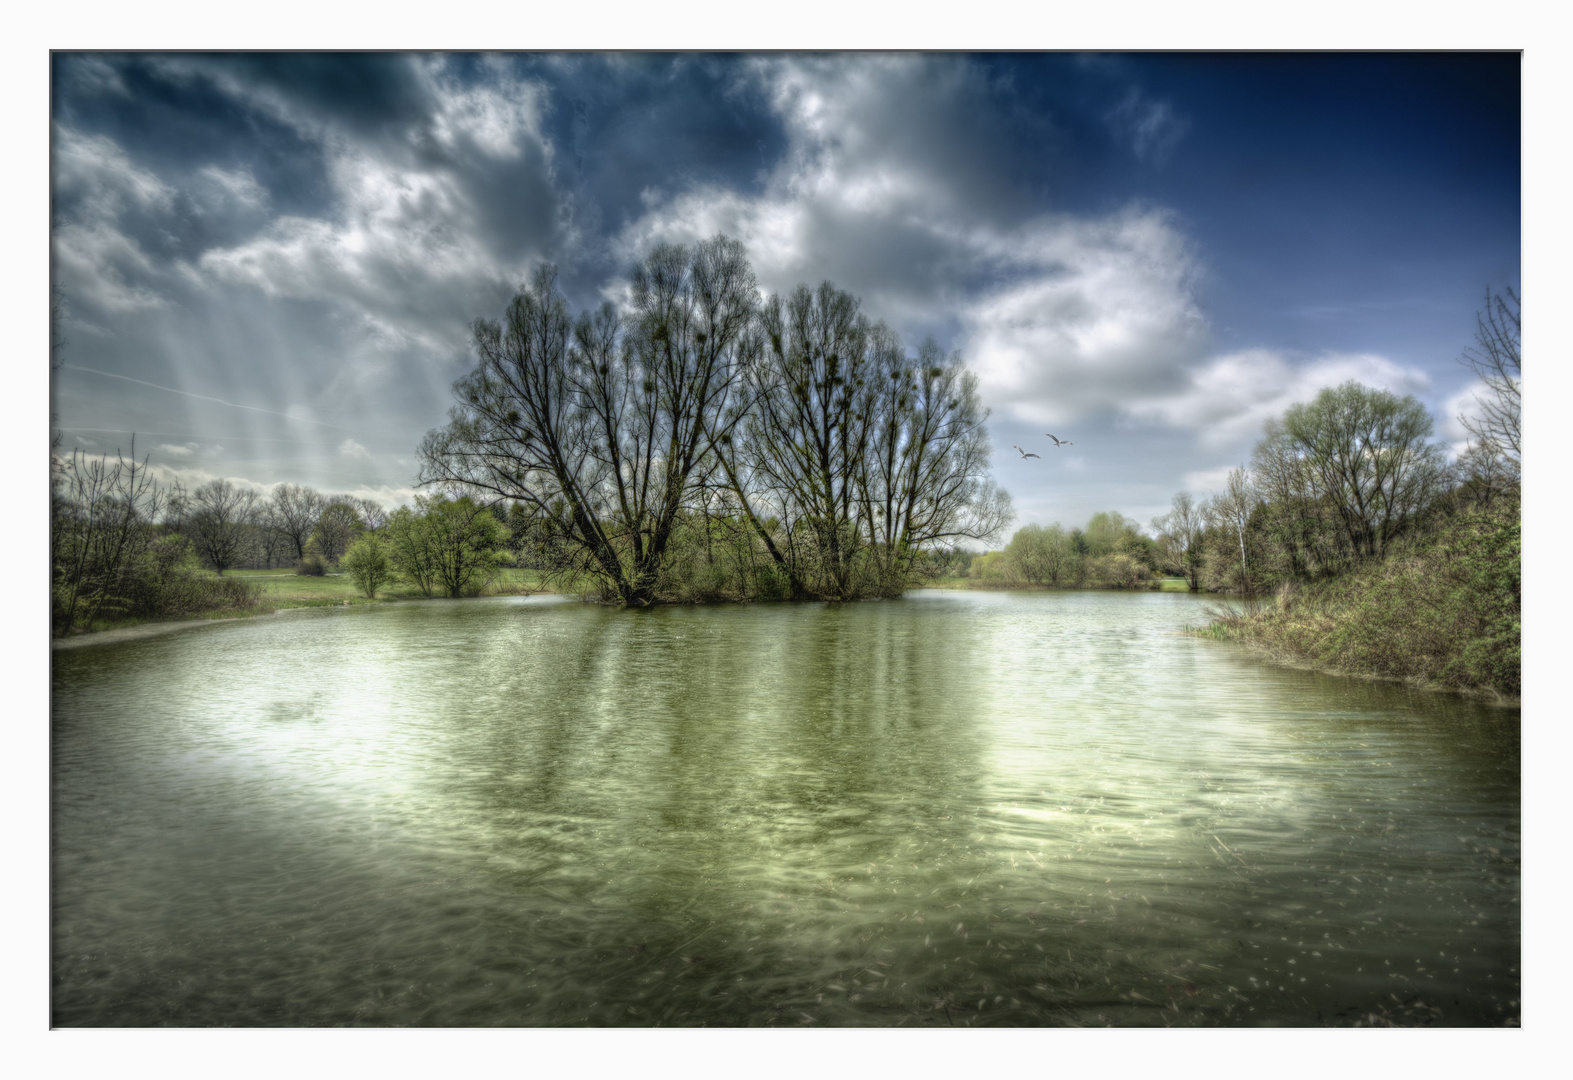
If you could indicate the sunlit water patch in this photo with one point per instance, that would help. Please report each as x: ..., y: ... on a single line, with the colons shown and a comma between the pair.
x: 955, y: 809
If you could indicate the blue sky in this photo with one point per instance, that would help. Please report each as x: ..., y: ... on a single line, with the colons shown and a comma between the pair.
x: 269, y: 262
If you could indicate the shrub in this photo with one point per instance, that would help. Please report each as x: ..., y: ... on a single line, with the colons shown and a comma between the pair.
x: 367, y: 563
x: 312, y: 564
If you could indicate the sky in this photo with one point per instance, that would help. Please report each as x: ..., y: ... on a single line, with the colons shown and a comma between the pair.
x: 269, y: 262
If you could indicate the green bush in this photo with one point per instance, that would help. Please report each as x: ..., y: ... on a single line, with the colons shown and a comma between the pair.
x: 367, y: 563
x: 1442, y: 609
x: 311, y: 564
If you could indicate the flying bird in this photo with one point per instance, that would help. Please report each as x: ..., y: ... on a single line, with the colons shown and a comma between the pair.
x: 1022, y: 452
x: 1059, y: 442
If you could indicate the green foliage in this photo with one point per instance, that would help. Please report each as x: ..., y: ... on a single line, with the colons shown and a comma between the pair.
x: 995, y: 568
x: 312, y: 562
x: 1442, y: 609
x: 452, y: 545
x: 1366, y: 454
x: 113, y: 561
x: 367, y: 563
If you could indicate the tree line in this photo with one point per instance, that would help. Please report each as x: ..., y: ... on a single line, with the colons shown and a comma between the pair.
x: 1111, y: 551
x: 1355, y: 542
x: 1359, y: 546
x: 126, y: 547
x: 707, y: 442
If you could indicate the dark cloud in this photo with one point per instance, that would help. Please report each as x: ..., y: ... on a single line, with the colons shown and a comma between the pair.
x: 175, y: 115
x: 1152, y: 249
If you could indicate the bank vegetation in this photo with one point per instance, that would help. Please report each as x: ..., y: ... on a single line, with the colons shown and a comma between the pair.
x: 1358, y: 549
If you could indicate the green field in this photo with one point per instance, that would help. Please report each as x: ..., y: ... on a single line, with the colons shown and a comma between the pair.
x: 287, y: 589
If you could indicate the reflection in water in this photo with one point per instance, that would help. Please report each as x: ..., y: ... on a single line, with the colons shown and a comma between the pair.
x: 957, y: 809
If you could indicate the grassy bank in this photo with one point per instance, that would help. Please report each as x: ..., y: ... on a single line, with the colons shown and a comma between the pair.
x: 287, y: 589
x: 1443, y: 612
x: 277, y: 590
x: 1168, y: 584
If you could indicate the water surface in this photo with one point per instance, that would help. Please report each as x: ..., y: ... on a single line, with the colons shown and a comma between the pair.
x: 955, y: 809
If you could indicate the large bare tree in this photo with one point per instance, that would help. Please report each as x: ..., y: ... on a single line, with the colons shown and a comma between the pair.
x: 808, y: 430
x: 221, y: 514
x: 928, y: 480
x: 610, y: 415
x: 296, y: 510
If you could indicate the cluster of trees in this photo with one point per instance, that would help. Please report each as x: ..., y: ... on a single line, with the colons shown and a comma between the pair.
x: 1382, y: 556
x: 451, y: 545
x: 1111, y: 552
x: 123, y: 546
x: 233, y: 527
x: 1334, y: 484
x: 126, y: 547
x: 710, y: 443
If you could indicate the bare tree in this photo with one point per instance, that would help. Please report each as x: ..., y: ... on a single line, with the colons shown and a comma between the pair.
x: 337, y: 526
x: 270, y: 539
x: 221, y: 513
x: 808, y: 427
x: 100, y: 520
x: 1495, y: 358
x: 373, y: 514
x: 928, y: 479
x: 296, y: 510
x: 1180, y: 537
x: 1230, y: 512
x: 605, y: 414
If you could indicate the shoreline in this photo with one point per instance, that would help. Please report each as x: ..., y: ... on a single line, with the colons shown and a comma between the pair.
x: 1273, y: 655
x: 114, y: 634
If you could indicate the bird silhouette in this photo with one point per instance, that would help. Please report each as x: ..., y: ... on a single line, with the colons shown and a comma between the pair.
x: 1022, y: 452
x: 1059, y: 442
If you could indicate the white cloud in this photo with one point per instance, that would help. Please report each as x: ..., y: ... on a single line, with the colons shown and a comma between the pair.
x: 1098, y: 312
x: 177, y: 451
x: 388, y: 496
x: 237, y: 187
x: 495, y: 118
x: 193, y: 477
x: 890, y: 188
x: 351, y: 449
x: 1205, y: 482
x: 97, y: 173
x: 1230, y: 397
x: 95, y: 261
x: 402, y: 254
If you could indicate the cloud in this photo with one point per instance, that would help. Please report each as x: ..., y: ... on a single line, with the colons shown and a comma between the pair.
x: 1205, y: 482
x: 95, y: 184
x: 420, y: 239
x: 1151, y: 129
x: 193, y: 477
x: 1096, y: 312
x: 1463, y: 404
x: 1230, y: 397
x: 177, y: 451
x: 237, y: 187
x: 891, y: 186
x: 351, y: 449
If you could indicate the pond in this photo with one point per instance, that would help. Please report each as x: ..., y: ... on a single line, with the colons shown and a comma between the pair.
x: 959, y: 808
